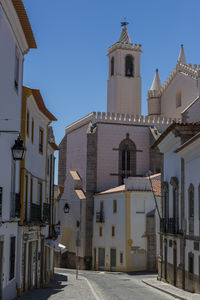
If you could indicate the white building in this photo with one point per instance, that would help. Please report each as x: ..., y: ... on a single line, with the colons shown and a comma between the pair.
x: 104, y: 148
x: 125, y: 226
x: 35, y: 250
x: 179, y: 231
x: 16, y: 39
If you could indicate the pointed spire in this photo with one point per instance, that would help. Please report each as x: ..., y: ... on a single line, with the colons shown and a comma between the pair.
x: 156, y: 84
x: 181, y: 57
x: 124, y: 37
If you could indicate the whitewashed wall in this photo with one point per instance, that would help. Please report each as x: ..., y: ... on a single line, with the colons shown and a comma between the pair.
x: 107, y: 241
x: 189, y: 92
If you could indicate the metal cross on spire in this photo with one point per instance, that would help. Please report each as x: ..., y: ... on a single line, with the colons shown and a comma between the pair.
x: 124, y: 23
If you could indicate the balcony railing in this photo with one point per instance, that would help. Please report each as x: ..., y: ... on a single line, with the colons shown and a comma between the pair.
x: 169, y: 225
x: 35, y: 212
x: 100, y: 217
x: 46, y: 213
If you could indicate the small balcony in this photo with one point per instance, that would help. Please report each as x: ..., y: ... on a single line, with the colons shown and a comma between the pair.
x: 46, y: 213
x: 100, y: 217
x: 35, y: 212
x: 169, y: 225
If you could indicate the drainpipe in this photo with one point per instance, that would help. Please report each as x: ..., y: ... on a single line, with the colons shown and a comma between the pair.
x: 50, y: 196
x: 52, y: 224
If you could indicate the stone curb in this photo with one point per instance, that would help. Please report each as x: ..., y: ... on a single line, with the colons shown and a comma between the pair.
x: 164, y: 291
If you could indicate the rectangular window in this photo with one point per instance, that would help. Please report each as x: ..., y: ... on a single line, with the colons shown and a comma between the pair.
x: 39, y: 193
x: 100, y: 230
x: 27, y: 123
x: 121, y: 257
x: 12, y: 257
x: 26, y: 198
x: 1, y: 200
x: 12, y: 199
x: 48, y: 166
x: 101, y: 206
x: 190, y: 263
x: 41, y: 140
x: 114, y: 206
x: 16, y: 78
x: 31, y: 191
x: 32, y: 131
x: 113, y: 230
x: 140, y: 206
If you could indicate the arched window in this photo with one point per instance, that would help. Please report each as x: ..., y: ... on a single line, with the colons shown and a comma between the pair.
x: 127, y: 159
x: 112, y: 66
x: 178, y: 98
x: 129, y: 66
x: 165, y: 206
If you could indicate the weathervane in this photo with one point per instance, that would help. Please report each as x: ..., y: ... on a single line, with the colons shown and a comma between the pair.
x: 124, y: 23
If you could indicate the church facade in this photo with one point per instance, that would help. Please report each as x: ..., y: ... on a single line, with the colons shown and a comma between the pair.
x: 98, y: 151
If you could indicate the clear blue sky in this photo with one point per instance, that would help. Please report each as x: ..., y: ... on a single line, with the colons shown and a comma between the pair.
x: 70, y: 66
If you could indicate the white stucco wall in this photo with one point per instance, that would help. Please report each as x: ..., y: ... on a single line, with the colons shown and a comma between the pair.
x: 192, y: 165
x: 124, y: 93
x: 7, y: 231
x: 68, y: 221
x: 117, y: 219
x: 188, y: 87
x: 10, y: 120
x: 141, y: 204
x: 172, y: 168
x: 77, y: 152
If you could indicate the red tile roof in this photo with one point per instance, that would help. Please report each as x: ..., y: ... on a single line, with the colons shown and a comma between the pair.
x: 24, y: 21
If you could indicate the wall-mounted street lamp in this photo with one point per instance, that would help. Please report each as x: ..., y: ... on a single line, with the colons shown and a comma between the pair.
x: 18, y: 150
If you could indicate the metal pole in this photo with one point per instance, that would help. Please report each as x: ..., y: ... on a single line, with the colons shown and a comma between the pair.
x: 154, y: 196
x: 77, y: 263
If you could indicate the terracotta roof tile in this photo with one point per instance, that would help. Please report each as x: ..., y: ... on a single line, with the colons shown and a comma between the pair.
x: 117, y: 189
x: 157, y: 187
x: 54, y: 146
x: 24, y: 21
x: 41, y: 105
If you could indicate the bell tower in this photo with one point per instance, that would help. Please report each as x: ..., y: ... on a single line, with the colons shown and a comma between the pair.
x: 124, y: 81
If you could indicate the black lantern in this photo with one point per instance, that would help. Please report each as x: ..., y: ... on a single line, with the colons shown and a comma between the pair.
x: 66, y: 208
x: 18, y: 150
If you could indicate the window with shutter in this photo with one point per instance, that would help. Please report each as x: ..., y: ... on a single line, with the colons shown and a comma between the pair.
x: 12, y: 257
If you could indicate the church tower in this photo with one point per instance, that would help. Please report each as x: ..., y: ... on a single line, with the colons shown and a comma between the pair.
x: 124, y: 81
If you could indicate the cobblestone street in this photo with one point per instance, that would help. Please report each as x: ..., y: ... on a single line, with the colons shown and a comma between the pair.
x: 93, y: 285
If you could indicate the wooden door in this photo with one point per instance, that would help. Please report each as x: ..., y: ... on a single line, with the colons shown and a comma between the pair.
x: 1, y: 267
x: 95, y: 257
x: 175, y: 264
x: 113, y: 259
x: 101, y: 258
x: 165, y: 261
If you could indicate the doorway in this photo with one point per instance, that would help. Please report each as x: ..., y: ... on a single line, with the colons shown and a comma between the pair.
x: 165, y: 260
x: 1, y: 267
x: 95, y: 257
x: 175, y: 262
x: 101, y: 258
x: 113, y: 259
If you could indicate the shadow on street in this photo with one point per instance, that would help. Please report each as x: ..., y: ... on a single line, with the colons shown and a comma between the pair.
x: 53, y: 287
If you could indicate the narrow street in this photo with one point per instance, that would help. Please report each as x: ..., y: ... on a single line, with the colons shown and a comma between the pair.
x: 93, y: 285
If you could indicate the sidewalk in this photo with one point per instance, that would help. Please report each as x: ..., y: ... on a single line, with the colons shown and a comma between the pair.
x: 60, y: 288
x: 171, y: 290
